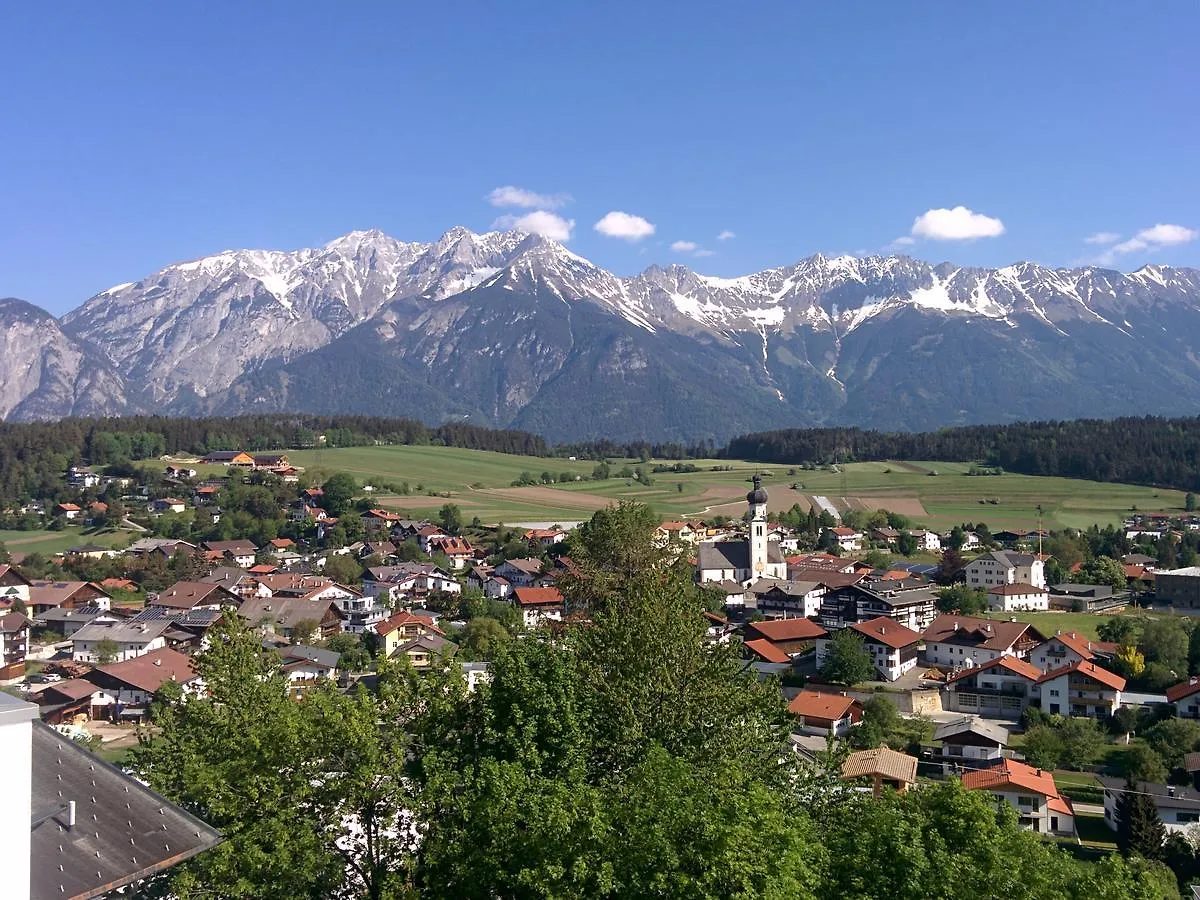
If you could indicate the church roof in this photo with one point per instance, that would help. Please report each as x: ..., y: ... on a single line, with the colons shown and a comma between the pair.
x: 734, y: 554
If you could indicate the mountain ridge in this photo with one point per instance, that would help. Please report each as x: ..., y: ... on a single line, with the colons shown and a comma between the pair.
x: 506, y: 328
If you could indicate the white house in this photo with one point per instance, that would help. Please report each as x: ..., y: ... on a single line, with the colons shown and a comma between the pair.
x: 970, y: 740
x: 893, y: 647
x: 849, y: 540
x: 1177, y: 807
x: 1081, y: 689
x: 1017, y: 597
x: 127, y: 640
x: 1067, y: 647
x: 928, y: 541
x: 125, y: 689
x: 539, y: 605
x: 1006, y: 567
x: 954, y: 641
x: 1031, y: 792
x: 1185, y: 697
x: 820, y: 713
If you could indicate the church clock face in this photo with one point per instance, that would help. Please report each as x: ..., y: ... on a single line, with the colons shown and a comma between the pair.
x: 758, y: 567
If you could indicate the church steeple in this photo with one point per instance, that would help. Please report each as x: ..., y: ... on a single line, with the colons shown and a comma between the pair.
x: 757, y: 500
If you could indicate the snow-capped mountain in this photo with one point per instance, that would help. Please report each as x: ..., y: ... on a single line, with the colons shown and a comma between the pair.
x: 510, y: 328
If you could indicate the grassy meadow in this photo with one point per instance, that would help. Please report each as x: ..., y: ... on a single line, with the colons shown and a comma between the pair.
x: 50, y: 542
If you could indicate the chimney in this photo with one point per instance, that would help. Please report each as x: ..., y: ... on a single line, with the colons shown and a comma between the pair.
x: 158, y: 662
x: 1171, y: 791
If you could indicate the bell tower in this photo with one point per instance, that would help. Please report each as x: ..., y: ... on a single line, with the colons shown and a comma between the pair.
x: 757, y: 500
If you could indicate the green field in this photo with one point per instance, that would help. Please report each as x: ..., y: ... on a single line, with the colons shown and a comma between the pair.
x: 58, y: 541
x: 479, y: 482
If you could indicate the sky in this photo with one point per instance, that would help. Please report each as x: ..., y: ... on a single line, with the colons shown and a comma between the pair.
x: 728, y: 137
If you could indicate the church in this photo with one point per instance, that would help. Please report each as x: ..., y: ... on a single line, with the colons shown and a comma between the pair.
x: 747, y: 560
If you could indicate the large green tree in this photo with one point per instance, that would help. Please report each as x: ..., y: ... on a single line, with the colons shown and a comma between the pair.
x: 1139, y: 829
x: 847, y: 660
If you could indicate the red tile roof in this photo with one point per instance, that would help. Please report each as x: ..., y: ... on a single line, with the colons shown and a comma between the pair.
x: 821, y: 706
x: 1091, y: 670
x: 885, y: 630
x: 1077, y: 642
x: 1008, y: 663
x: 766, y: 651
x: 989, y: 634
x: 149, y: 672
x: 1011, y: 774
x: 535, y: 596
x: 786, y: 629
x: 387, y: 626
x: 1177, y: 692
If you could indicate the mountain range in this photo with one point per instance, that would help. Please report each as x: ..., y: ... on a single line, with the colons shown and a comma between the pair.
x: 515, y: 330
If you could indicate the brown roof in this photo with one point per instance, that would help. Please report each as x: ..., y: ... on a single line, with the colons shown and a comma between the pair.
x: 988, y: 634
x: 239, y: 547
x: 766, y: 651
x: 1091, y: 670
x: 6, y: 569
x: 292, y: 583
x: 66, y: 691
x: 885, y: 630
x: 821, y: 706
x: 538, y: 596
x: 149, y: 672
x: 56, y: 593
x: 829, y: 579
x: 1016, y: 589
x: 13, y: 621
x: 387, y: 626
x: 1184, y: 689
x: 1011, y: 774
x: 189, y: 594
x: 1008, y: 663
x: 786, y: 630
x: 884, y: 762
x: 285, y: 612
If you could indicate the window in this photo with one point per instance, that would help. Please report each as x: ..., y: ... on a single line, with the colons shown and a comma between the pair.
x: 1182, y: 817
x: 1053, y: 693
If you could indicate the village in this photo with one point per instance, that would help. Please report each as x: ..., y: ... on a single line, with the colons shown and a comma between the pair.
x: 914, y: 673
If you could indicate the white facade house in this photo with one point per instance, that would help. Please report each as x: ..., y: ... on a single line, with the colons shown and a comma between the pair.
x: 1031, y: 792
x: 1177, y: 807
x: 893, y: 647
x: 126, y: 641
x: 1018, y: 597
x: 1081, y: 689
x: 928, y: 541
x: 971, y: 740
x: 1006, y: 567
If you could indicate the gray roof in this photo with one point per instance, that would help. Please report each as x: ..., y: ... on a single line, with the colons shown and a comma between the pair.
x: 318, y: 655
x: 431, y: 642
x: 968, y: 724
x: 1164, y: 795
x: 122, y: 632
x: 124, y: 832
x: 791, y: 588
x: 734, y: 554
x: 1009, y: 558
x: 79, y: 614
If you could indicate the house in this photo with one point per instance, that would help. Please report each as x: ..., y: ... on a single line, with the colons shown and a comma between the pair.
x: 928, y: 541
x: 675, y: 532
x: 1002, y: 688
x: 971, y: 741
x: 13, y: 585
x: 206, y: 494
x: 276, y: 546
x: 241, y: 552
x: 1066, y: 647
x: 819, y: 713
x: 376, y: 521
x: 286, y: 616
x: 166, y: 505
x: 82, y: 477
x: 305, y: 666
x: 849, y: 540
x: 66, y: 621
x: 496, y: 588
x: 179, y: 472
x: 756, y: 556
x: 47, y: 595
x: 186, y: 629
x: 773, y: 597
x: 62, y: 701
x: 539, y: 605
x: 14, y: 645
x: 1081, y: 689
x: 766, y: 657
x: 1018, y: 596
x: 125, y: 640
x: 228, y: 458
x: 912, y: 603
x: 196, y: 595
x: 457, y: 550
x: 402, y: 628
x: 971, y: 540
x: 359, y: 612
x: 126, y: 688
x: 883, y: 768
x: 68, y: 511
x: 241, y: 582
x: 790, y: 636
x: 519, y: 572
x: 1031, y: 792
x: 393, y: 583
x: 952, y: 641
x: 1177, y: 807
x: 1006, y: 567
x: 164, y: 547
x: 475, y: 674
x: 1185, y: 697
x: 92, y: 551
x: 1083, y: 597
x: 889, y: 537
x: 892, y: 646
x: 1179, y: 587
x: 544, y: 537
x: 270, y: 461
x: 422, y: 652
x: 824, y: 562
x: 718, y: 630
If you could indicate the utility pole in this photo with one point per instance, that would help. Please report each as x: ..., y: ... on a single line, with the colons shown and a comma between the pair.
x: 1039, y: 529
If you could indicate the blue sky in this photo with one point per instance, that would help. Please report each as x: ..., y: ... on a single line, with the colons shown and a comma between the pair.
x: 137, y: 134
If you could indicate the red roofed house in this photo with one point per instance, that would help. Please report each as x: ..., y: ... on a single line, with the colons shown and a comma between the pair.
x: 792, y: 636
x: 1081, y: 689
x: 848, y: 539
x: 68, y: 511
x: 1031, y: 792
x: 893, y: 647
x: 952, y: 641
x: 1185, y: 697
x: 1067, y: 647
x: 455, y: 549
x: 544, y: 537
x: 825, y: 713
x: 402, y: 628
x: 769, y: 657
x: 125, y: 689
x: 1002, y: 688
x: 538, y: 605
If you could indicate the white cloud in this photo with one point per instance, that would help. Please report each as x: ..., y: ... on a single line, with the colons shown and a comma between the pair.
x: 958, y: 224
x: 625, y: 226
x: 684, y: 246
x: 703, y: 252
x: 1102, y: 237
x: 510, y: 195
x: 903, y: 241
x: 726, y: 235
x: 1153, y: 238
x: 547, y: 224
